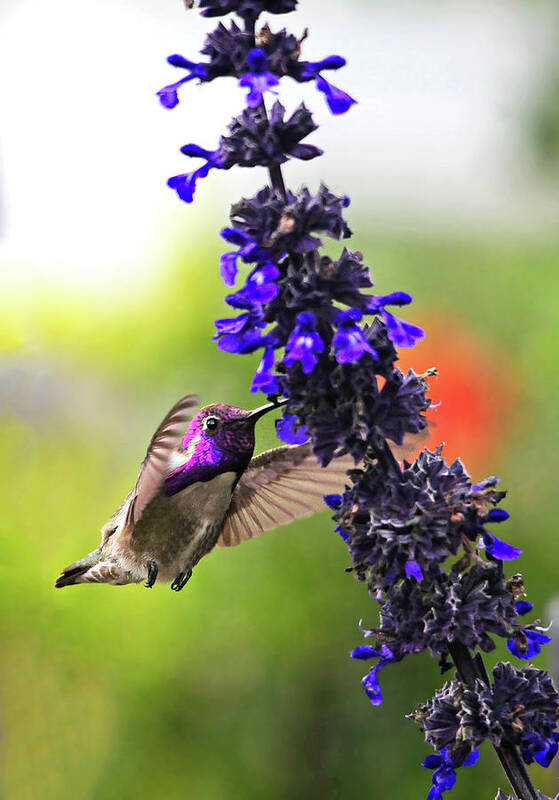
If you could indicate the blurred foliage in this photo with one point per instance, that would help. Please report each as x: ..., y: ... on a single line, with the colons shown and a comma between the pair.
x: 543, y: 124
x: 240, y: 686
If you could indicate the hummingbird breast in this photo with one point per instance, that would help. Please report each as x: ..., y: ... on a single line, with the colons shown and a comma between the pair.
x: 177, y: 531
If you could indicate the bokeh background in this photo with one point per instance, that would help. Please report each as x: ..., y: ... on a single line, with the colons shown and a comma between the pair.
x: 241, y: 686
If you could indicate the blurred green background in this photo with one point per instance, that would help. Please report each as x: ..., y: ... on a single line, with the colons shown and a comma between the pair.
x: 242, y: 686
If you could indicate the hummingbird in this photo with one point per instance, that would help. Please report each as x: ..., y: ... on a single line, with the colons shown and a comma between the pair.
x: 200, y: 486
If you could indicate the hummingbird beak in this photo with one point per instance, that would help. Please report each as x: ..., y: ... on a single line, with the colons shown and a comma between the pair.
x: 259, y: 412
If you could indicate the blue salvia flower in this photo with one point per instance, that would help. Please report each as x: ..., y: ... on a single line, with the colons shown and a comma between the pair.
x: 444, y: 775
x: 264, y: 378
x: 403, y: 334
x: 304, y: 343
x: 350, y: 342
x: 370, y: 681
x: 249, y: 251
x: 259, y: 80
x: 499, y: 549
x: 185, y: 184
x: 261, y: 287
x: 242, y: 334
x: 527, y: 642
x: 168, y: 94
x: 290, y: 431
x: 523, y: 607
x: 338, y: 101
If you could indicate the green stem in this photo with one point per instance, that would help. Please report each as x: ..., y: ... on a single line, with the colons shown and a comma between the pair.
x: 469, y: 671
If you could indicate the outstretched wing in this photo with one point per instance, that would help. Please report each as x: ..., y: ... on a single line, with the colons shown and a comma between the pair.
x: 165, y: 439
x: 279, y: 486
x: 288, y: 483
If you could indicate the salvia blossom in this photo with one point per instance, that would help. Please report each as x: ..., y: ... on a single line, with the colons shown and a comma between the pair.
x: 231, y: 52
x: 520, y: 707
x: 259, y: 80
x: 386, y: 530
x: 444, y: 775
x: 418, y: 532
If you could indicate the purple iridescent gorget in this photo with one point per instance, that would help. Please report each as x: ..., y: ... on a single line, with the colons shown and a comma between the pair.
x: 211, y: 452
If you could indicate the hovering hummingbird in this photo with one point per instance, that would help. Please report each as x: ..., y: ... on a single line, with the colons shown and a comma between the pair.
x: 199, y: 486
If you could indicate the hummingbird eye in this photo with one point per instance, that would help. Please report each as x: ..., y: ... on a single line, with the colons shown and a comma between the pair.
x: 211, y: 424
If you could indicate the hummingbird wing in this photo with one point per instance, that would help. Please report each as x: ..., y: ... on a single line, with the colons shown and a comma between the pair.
x: 288, y: 483
x: 165, y: 439
x: 278, y: 486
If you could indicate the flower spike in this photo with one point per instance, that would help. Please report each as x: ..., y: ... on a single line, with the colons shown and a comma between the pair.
x: 415, y: 526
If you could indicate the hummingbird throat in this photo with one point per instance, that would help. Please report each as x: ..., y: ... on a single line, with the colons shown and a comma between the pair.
x: 202, y: 461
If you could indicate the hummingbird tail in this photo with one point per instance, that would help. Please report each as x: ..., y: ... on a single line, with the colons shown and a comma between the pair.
x: 73, y: 574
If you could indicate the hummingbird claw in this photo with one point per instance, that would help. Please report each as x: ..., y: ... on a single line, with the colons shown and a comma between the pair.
x: 181, y: 580
x: 152, y: 574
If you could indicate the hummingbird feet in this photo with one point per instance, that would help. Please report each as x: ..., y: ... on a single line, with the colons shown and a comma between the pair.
x: 152, y: 574
x: 181, y: 580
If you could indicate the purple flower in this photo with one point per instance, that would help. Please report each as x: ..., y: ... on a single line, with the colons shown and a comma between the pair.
x: 249, y: 251
x: 403, y: 334
x: 413, y: 570
x: 523, y: 607
x: 499, y: 549
x: 228, y: 268
x: 310, y: 70
x: 264, y: 379
x: 241, y: 334
x: 497, y: 515
x: 338, y: 101
x: 333, y: 501
x: 370, y: 681
x: 444, y: 776
x: 290, y: 430
x: 246, y: 342
x: 527, y: 643
x: 236, y: 324
x: 304, y: 343
x: 168, y: 94
x: 258, y: 80
x: 261, y: 287
x: 185, y: 184
x: 350, y: 341
x: 371, y: 684
x: 343, y: 533
x: 536, y: 747
x: 364, y: 652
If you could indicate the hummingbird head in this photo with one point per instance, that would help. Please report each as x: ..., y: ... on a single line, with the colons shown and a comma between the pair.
x: 220, y: 438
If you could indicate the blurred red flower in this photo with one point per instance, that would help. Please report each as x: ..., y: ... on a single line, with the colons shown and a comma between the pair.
x: 474, y: 391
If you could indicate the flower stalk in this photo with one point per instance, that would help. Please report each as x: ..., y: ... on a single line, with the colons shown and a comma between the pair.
x: 471, y: 670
